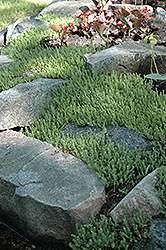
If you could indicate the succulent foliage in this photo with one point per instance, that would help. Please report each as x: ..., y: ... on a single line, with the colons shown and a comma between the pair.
x: 104, y: 233
x: 115, y: 100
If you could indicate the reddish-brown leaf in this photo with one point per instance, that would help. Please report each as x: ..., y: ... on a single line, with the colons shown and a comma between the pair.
x: 137, y: 13
x: 56, y: 27
x: 122, y: 12
x: 137, y: 22
x: 99, y: 27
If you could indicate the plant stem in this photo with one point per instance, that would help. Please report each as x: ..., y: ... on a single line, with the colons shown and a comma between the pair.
x: 154, y: 60
x: 103, y: 38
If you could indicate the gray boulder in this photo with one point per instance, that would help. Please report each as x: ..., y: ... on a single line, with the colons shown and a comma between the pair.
x: 44, y: 193
x: 22, y: 103
x: 160, y: 15
x: 21, y: 26
x: 24, y: 26
x: 70, y: 8
x: 66, y: 8
x: 126, y: 58
x: 144, y: 197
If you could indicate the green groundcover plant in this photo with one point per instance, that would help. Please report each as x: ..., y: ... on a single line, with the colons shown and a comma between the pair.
x: 95, y: 100
x: 105, y: 233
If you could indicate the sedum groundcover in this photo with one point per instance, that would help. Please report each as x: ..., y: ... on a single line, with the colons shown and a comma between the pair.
x: 95, y: 100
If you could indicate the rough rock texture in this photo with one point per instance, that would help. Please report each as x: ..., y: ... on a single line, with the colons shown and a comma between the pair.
x: 158, y: 236
x: 67, y: 8
x: 144, y: 197
x: 23, y: 181
x: 140, y: 6
x: 125, y: 58
x: 5, y: 60
x: 24, y: 26
x: 43, y: 193
x: 158, y: 239
x: 117, y: 135
x: 19, y: 105
x: 160, y: 15
x: 21, y: 26
x: 133, y: 139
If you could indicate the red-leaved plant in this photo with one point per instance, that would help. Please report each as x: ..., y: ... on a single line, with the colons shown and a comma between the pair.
x: 107, y: 23
x: 62, y: 33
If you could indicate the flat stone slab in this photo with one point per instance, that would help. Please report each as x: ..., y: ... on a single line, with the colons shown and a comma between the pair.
x: 117, y: 135
x: 126, y: 58
x: 22, y: 103
x: 144, y: 197
x: 43, y: 193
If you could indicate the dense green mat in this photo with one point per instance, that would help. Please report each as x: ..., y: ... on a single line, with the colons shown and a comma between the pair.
x: 94, y: 100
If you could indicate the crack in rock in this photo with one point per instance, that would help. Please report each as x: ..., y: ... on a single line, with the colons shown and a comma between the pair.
x: 38, y: 155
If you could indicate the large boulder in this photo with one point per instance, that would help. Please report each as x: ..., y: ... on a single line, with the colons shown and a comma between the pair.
x: 144, y: 197
x: 44, y: 193
x: 21, y: 26
x: 126, y: 58
x: 24, y: 26
x: 22, y: 103
x: 66, y: 8
x: 160, y: 15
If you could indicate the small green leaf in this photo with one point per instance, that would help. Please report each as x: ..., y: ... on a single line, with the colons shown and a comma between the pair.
x: 156, y: 76
x: 153, y: 41
x: 145, y: 40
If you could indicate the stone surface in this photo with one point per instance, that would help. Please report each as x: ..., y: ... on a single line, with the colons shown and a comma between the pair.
x: 158, y: 236
x: 43, y: 193
x: 117, y: 135
x: 125, y: 58
x: 24, y: 160
x: 65, y: 8
x: 160, y: 15
x: 21, y: 26
x: 3, y: 34
x: 24, y: 26
x: 5, y: 60
x: 144, y: 197
x: 158, y: 239
x: 139, y: 7
x: 22, y: 103
x: 133, y: 139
